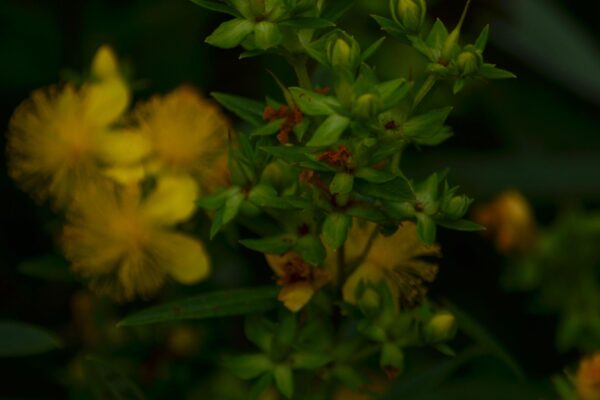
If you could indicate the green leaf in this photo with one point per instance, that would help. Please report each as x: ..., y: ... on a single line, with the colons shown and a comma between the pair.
x: 371, y: 50
x: 216, y: 200
x: 266, y: 196
x: 335, y: 9
x: 490, y: 71
x: 310, y: 361
x: 50, y: 267
x: 425, y: 125
x: 392, y: 92
x: 310, y: 249
x: 260, y: 387
x: 249, y: 110
x: 230, y: 33
x: 461, y: 225
x: 426, y: 228
x: 259, y: 331
x: 217, y: 6
x: 18, y: 339
x: 314, y: 104
x: 373, y: 175
x: 290, y: 154
x: 232, y: 207
x: 248, y: 366
x: 224, y: 303
x: 389, y: 26
x: 267, y: 35
x: 108, y: 382
x: 397, y: 189
x: 437, y: 36
x: 477, y: 332
x: 306, y: 23
x: 268, y: 129
x: 284, y: 380
x: 330, y: 131
x: 482, y: 40
x: 270, y: 245
x: 341, y: 183
x: 366, y: 212
x: 458, y: 86
x: 335, y: 229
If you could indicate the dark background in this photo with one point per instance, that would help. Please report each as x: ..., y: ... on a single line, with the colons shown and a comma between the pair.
x: 539, y: 134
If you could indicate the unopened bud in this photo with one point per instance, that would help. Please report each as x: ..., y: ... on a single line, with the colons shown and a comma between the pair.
x: 410, y: 14
x: 392, y: 360
x: 469, y: 61
x: 366, y: 106
x: 369, y: 300
x: 441, y: 327
x: 344, y: 53
x: 457, y: 207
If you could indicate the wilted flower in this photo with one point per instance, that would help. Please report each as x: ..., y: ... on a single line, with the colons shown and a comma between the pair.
x: 126, y: 245
x: 587, y: 380
x: 58, y: 137
x: 509, y: 221
x: 188, y: 135
x: 298, y: 279
x: 398, y: 260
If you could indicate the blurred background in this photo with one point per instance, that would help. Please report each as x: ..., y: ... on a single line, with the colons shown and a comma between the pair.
x: 538, y: 134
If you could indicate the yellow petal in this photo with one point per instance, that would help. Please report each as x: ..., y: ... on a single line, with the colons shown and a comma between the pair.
x: 295, y: 296
x: 126, y: 175
x: 367, y: 272
x: 172, y: 201
x: 106, y: 101
x: 184, y: 258
x: 122, y: 147
x: 105, y: 63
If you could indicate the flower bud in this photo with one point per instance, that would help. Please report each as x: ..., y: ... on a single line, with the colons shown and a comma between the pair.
x: 469, y: 61
x: 410, y: 14
x: 440, y: 328
x: 344, y: 54
x: 456, y: 207
x: 365, y: 106
x: 369, y: 300
x: 392, y: 360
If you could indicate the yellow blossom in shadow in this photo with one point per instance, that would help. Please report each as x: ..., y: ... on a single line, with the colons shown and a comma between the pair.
x: 59, y: 136
x: 188, y: 134
x: 401, y: 260
x: 298, y: 279
x: 587, y: 379
x: 126, y: 244
x: 509, y: 221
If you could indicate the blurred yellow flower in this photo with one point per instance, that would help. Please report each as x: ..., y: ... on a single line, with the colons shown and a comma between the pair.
x: 58, y: 137
x: 298, y: 279
x: 509, y: 221
x: 126, y: 244
x: 398, y: 260
x: 587, y: 379
x: 188, y: 134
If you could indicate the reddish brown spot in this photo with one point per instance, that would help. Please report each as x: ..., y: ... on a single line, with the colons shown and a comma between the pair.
x: 419, y: 207
x: 337, y: 158
x: 292, y: 118
x: 391, y: 125
x: 323, y: 90
x: 391, y: 372
x: 295, y: 270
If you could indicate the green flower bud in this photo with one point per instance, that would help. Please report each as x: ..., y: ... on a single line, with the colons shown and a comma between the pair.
x: 441, y: 327
x: 369, y: 300
x: 410, y: 14
x: 392, y: 359
x: 365, y: 106
x: 456, y: 207
x: 344, y: 54
x: 469, y: 61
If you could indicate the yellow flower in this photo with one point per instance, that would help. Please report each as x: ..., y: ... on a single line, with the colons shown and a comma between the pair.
x: 509, y: 220
x: 398, y: 260
x: 298, y: 279
x: 188, y: 134
x: 58, y: 137
x: 587, y: 380
x: 126, y: 244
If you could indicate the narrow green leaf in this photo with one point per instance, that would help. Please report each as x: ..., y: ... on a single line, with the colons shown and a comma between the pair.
x: 335, y: 9
x: 389, y: 26
x: 373, y: 175
x: 310, y: 249
x: 267, y: 35
x: 225, y: 303
x: 249, y: 110
x: 335, y: 229
x: 232, y: 207
x: 397, y: 189
x: 268, y: 129
x: 270, y: 245
x: 341, y: 183
x: 307, y: 23
x: 425, y: 125
x: 426, y: 228
x: 437, y: 36
x: 230, y: 33
x: 284, y: 380
x: 18, y: 339
x: 314, y: 104
x: 489, y: 71
x: 392, y: 92
x: 218, y: 199
x: 217, y: 6
x: 248, y: 366
x: 290, y: 154
x: 260, y: 387
x: 330, y: 131
x: 372, y: 49
x: 482, y: 40
x: 458, y: 86
x: 50, y: 267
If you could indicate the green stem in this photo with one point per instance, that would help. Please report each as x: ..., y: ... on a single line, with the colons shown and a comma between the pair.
x: 424, y: 90
x: 302, y: 73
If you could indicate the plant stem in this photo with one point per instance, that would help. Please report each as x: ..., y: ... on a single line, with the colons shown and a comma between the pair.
x: 341, y: 267
x: 302, y: 73
x: 424, y: 90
